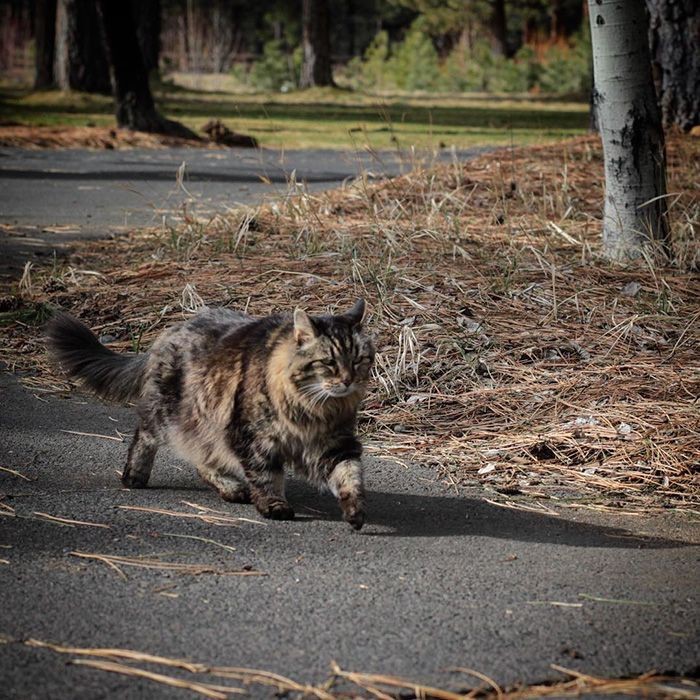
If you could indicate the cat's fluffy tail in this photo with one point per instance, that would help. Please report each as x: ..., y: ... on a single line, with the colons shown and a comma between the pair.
x: 112, y: 376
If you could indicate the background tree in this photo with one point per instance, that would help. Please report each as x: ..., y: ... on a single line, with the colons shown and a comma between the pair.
x: 147, y: 15
x: 499, y: 27
x: 674, y: 38
x: 81, y: 62
x: 630, y: 127
x: 316, y: 62
x: 44, y: 43
x: 133, y: 101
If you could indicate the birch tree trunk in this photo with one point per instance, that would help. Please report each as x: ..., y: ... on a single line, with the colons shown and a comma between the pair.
x: 630, y: 126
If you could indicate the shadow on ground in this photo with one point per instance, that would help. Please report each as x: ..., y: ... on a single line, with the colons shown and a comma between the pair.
x: 413, y: 515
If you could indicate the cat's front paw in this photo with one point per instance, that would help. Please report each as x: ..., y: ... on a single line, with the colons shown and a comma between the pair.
x: 134, y: 480
x: 277, y: 510
x: 353, y: 512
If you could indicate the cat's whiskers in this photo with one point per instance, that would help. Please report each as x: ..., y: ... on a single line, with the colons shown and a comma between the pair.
x: 315, y: 394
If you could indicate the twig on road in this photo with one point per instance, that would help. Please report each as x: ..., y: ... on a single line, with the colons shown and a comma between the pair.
x: 115, y: 562
x: 218, y: 692
x: 69, y: 521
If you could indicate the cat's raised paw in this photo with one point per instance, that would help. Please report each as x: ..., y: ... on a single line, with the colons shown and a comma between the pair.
x: 355, y: 517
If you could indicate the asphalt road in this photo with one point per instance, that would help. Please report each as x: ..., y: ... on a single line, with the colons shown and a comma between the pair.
x: 435, y: 580
x: 51, y: 198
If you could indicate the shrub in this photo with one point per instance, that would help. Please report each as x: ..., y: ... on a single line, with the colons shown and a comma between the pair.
x: 414, y: 64
x: 275, y: 70
x: 461, y: 72
x: 565, y: 70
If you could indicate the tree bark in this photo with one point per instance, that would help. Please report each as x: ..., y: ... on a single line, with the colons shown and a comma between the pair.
x: 316, y: 65
x: 499, y: 28
x: 81, y: 62
x: 674, y: 38
x: 148, y: 26
x: 630, y: 127
x: 133, y: 101
x: 44, y: 43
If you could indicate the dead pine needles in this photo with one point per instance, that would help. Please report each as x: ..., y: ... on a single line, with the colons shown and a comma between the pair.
x: 350, y: 684
x: 510, y: 352
x: 116, y: 562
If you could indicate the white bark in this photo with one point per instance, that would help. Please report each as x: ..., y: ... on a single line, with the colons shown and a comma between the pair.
x: 630, y: 126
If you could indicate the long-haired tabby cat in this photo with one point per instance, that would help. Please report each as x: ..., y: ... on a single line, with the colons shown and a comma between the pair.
x: 241, y: 398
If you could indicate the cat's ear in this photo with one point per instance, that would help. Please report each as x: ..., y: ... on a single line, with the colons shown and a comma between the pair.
x: 357, y: 312
x: 304, y: 329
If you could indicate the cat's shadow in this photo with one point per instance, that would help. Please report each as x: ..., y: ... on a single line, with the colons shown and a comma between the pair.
x: 414, y: 515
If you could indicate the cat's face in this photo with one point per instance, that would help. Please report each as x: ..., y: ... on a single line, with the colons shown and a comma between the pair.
x: 333, y: 357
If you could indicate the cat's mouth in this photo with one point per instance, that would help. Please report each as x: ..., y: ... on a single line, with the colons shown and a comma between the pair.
x: 338, y: 392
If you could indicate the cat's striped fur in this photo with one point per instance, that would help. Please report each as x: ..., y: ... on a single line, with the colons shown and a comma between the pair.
x: 242, y: 398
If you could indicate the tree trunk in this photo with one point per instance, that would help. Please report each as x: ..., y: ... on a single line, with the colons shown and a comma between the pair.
x: 630, y: 127
x: 316, y: 66
x: 133, y: 101
x: 674, y: 38
x: 224, y: 35
x: 81, y: 62
x: 44, y: 43
x: 499, y: 28
x: 592, y: 112
x: 148, y: 25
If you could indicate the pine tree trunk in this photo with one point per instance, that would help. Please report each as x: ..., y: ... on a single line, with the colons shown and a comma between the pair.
x: 630, y: 127
x: 316, y: 65
x: 81, y: 62
x: 45, y: 43
x: 133, y: 101
x: 674, y: 38
x: 498, y: 28
x: 148, y: 25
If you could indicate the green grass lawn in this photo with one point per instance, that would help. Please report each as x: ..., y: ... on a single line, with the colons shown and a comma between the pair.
x: 325, y: 118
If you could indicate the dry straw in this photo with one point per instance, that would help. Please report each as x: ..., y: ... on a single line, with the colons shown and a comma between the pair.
x: 510, y: 352
x: 349, y: 684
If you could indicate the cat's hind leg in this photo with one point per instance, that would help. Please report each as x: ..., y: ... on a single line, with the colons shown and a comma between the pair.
x: 229, y: 482
x: 139, y: 462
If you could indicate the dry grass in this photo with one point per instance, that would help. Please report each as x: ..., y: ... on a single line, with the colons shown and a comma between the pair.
x: 203, y: 514
x: 116, y: 562
x: 510, y: 352
x: 345, y: 684
x: 70, y: 522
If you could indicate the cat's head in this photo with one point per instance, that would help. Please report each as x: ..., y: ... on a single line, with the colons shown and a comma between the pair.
x: 332, y: 355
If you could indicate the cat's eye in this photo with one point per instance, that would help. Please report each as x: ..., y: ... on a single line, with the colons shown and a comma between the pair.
x: 326, y: 363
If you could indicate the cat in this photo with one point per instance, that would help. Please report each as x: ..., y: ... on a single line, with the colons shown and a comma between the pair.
x: 240, y: 397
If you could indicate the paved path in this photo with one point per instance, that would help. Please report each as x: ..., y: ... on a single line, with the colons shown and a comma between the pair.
x: 50, y: 198
x: 435, y: 580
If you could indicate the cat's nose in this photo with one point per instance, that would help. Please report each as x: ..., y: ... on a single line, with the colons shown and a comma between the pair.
x: 345, y: 379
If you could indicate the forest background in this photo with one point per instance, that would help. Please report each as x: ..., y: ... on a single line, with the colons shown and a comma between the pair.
x: 375, y: 45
